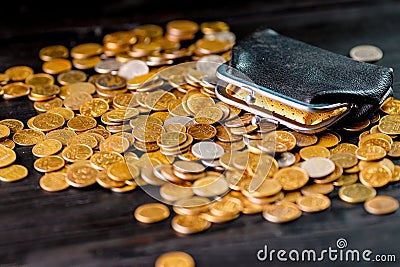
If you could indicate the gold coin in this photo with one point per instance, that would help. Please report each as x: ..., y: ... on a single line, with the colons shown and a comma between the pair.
x: 13, y: 124
x: 172, y: 192
x: 281, y: 212
x: 327, y: 139
x: 148, y: 132
x: 84, y: 138
x: 86, y: 63
x: 151, y: 213
x: 53, y: 51
x: 48, y: 121
x: 391, y: 106
x: 303, y: 140
x: 62, y: 135
x: 126, y: 188
x: 115, y: 143
x: 210, y: 186
x: 49, y: 163
x: 291, y: 178
x: 375, y: 176
x: 54, y: 181
x: 44, y: 106
x: 65, y: 112
x: 201, y: 131
x: 8, y: 143
x: 102, y: 160
x: 292, y: 196
x: 189, y: 224
x: 396, y: 174
x: 94, y: 107
x: 188, y: 167
x: 346, y: 179
x: 81, y: 174
x: 381, y: 205
x: 210, y: 27
x: 71, y: 76
x: 28, y: 137
x: 119, y: 171
x: 4, y: 79
x: 356, y: 193
x: 196, y: 102
x: 376, y: 142
x: 209, y: 115
x: 344, y: 159
x: 76, y: 99
x: 15, y: 90
x: 39, y: 79
x: 159, y: 100
x: 218, y: 219
x: 19, y: 73
x: 191, y: 206
x: 56, y: 66
x: 313, y: 203
x: 81, y: 123
x: 369, y: 153
x: 314, y: 151
x: 4, y: 132
x: 394, y: 150
x: 86, y: 50
x: 77, y: 152
x: 227, y: 206
x: 104, y: 181
x: 390, y: 124
x: 13, y: 173
x: 46, y: 147
x: 171, y: 139
x: 311, y: 189
x: 216, y: 46
x: 175, y: 258
x: 344, y: 147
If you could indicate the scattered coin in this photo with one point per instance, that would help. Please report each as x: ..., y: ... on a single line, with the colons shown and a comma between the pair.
x: 366, y: 53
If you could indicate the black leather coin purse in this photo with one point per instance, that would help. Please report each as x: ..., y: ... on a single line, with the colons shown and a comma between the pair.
x: 303, y: 87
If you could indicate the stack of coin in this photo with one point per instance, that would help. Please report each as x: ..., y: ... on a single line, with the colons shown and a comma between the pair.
x: 138, y: 122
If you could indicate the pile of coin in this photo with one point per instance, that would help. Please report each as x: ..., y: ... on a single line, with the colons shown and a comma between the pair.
x: 139, y: 121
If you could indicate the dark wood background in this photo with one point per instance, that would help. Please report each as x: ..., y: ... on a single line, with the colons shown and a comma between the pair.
x: 95, y: 227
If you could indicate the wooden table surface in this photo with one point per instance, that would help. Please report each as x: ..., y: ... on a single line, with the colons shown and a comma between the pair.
x: 95, y: 227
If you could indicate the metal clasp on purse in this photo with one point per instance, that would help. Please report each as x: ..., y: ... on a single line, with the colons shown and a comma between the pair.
x: 299, y: 116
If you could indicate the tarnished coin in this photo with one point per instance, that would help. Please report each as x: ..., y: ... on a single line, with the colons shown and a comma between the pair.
x: 366, y: 53
x: 381, y: 205
x: 13, y: 173
x: 356, y: 193
x: 151, y: 212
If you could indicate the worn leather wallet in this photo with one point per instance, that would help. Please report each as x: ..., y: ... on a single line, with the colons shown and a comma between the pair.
x: 301, y: 86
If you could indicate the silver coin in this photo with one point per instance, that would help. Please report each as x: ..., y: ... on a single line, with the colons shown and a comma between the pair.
x: 212, y: 163
x: 209, y: 64
x: 318, y: 167
x: 179, y: 119
x: 366, y: 53
x: 286, y: 159
x: 133, y: 68
x: 107, y: 66
x: 207, y: 150
x: 222, y: 36
x: 147, y: 174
